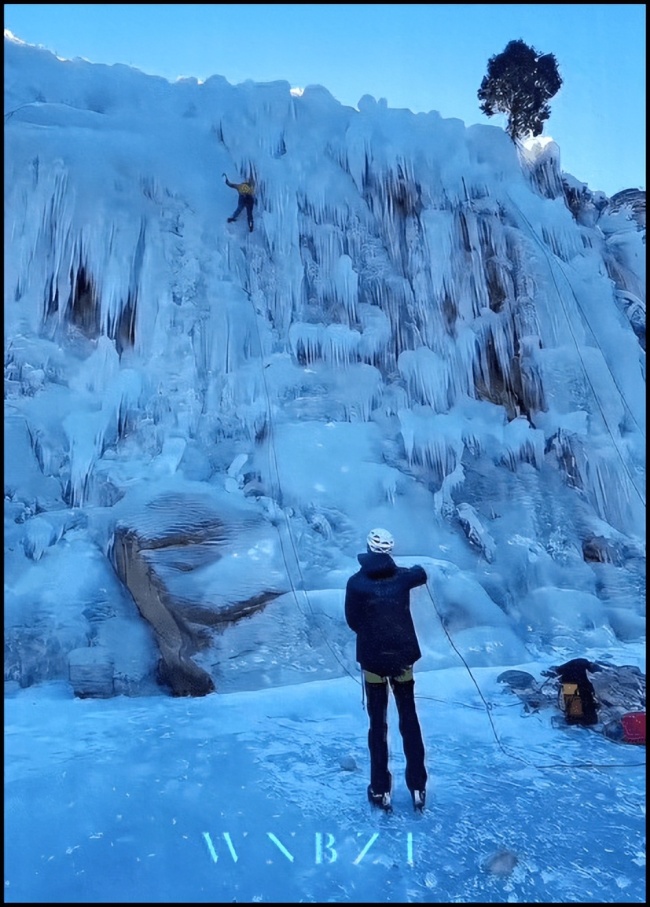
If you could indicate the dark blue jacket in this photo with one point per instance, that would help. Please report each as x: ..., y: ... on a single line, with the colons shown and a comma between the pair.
x: 378, y: 609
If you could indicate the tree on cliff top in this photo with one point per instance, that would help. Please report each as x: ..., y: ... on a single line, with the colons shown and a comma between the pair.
x: 520, y: 82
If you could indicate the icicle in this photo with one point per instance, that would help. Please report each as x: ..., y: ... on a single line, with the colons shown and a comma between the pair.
x: 306, y: 341
x: 463, y: 357
x: 360, y: 389
x: 39, y: 535
x: 375, y: 331
x: 431, y: 440
x: 346, y: 285
x: 427, y: 377
x: 98, y: 371
x: 339, y: 344
x: 85, y: 432
x: 522, y: 444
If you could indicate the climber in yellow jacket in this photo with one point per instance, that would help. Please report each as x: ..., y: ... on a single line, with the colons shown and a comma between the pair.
x: 246, y: 199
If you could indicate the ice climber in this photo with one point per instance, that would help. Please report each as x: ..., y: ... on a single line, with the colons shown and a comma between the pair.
x: 378, y: 610
x: 245, y: 199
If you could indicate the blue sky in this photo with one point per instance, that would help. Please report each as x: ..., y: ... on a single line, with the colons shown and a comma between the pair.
x: 418, y: 56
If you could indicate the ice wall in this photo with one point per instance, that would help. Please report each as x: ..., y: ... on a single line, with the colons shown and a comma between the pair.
x: 405, y: 272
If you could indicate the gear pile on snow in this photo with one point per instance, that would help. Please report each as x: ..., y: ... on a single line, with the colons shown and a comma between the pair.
x: 606, y: 697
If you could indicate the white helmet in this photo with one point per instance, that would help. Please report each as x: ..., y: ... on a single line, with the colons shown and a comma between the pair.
x: 380, y: 540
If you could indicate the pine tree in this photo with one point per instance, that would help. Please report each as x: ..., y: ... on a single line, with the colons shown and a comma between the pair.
x: 520, y: 82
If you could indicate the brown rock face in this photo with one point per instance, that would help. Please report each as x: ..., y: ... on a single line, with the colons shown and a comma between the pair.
x: 196, y: 561
x: 635, y: 200
x: 176, y: 640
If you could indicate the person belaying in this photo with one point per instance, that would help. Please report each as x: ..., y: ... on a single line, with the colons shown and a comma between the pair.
x: 378, y: 610
x: 245, y: 200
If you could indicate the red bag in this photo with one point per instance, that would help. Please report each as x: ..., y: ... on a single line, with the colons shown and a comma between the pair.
x: 634, y: 727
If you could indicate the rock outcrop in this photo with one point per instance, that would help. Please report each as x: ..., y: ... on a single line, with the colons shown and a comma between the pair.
x: 173, y: 635
x: 632, y: 198
x: 186, y: 564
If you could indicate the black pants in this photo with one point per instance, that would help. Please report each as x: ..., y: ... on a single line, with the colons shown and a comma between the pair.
x: 409, y: 727
x: 245, y: 201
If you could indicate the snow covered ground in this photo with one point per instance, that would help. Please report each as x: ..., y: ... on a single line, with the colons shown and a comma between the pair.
x: 260, y: 796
